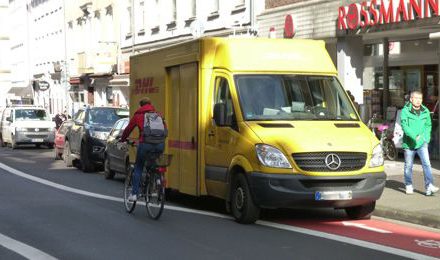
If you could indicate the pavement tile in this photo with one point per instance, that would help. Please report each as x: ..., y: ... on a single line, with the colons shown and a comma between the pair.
x: 416, y: 208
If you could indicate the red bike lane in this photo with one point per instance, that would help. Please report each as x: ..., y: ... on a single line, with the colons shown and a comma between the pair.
x: 378, y: 232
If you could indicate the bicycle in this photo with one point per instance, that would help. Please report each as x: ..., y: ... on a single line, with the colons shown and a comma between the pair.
x: 385, y: 136
x: 153, y: 184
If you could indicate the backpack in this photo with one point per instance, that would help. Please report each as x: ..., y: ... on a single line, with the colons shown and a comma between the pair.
x: 154, y: 128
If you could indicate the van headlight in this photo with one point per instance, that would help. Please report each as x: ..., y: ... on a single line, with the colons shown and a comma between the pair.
x: 377, y: 157
x: 20, y: 129
x: 271, y: 157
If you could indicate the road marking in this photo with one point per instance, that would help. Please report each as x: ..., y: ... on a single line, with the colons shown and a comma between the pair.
x: 356, y: 242
x: 23, y: 249
x: 428, y: 243
x: 364, y: 226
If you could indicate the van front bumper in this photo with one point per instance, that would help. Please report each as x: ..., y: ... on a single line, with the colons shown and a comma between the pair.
x: 298, y: 191
x: 34, y: 138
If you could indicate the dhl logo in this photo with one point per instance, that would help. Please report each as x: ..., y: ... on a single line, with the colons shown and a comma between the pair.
x: 145, y: 86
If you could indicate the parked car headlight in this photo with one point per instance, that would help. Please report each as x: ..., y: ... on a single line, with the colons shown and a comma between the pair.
x: 20, y: 129
x: 98, y: 134
x: 377, y: 157
x: 271, y: 157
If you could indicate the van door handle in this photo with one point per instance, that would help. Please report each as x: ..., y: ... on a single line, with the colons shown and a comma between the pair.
x: 211, y: 133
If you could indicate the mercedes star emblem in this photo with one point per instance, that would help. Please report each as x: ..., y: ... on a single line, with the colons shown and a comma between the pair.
x: 332, y: 161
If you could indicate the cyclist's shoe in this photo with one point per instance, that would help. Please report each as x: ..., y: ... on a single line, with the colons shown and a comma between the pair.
x: 409, y: 189
x: 132, y: 197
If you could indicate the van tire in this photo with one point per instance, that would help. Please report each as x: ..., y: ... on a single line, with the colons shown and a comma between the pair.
x: 13, y: 143
x: 66, y: 155
x: 361, y: 212
x: 243, y: 207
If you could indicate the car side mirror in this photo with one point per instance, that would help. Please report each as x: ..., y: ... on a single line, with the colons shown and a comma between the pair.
x: 9, y: 119
x: 220, y: 114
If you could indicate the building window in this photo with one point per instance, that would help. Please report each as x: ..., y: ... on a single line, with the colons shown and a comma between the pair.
x: 213, y: 6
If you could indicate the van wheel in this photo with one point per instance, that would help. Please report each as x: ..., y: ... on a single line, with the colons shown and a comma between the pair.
x: 361, y: 212
x: 13, y: 143
x: 66, y: 155
x: 242, y: 206
x: 86, y: 165
x: 108, y: 173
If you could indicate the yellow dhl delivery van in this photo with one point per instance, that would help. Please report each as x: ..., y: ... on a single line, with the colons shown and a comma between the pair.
x: 261, y: 123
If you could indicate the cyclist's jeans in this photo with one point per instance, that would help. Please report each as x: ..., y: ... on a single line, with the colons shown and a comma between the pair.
x: 426, y: 164
x: 143, y: 150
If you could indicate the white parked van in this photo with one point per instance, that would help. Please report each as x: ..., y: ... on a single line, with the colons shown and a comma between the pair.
x: 26, y: 125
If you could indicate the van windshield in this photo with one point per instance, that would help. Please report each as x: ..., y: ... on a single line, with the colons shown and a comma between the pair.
x: 31, y: 114
x: 293, y: 97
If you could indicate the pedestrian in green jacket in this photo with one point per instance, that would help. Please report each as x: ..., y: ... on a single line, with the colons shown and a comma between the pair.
x: 415, y: 120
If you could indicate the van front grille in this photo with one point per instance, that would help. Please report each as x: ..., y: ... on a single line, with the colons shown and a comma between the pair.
x: 328, y: 161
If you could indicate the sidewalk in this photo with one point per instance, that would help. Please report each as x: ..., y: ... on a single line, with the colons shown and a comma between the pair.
x: 416, y: 208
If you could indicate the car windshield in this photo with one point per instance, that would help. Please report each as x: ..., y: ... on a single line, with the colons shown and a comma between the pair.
x: 293, y: 97
x: 106, y: 116
x: 31, y: 114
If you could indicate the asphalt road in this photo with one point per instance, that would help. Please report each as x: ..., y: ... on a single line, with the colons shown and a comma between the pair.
x: 45, y: 217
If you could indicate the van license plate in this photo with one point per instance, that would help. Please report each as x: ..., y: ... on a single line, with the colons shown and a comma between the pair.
x: 333, y: 195
x: 38, y: 140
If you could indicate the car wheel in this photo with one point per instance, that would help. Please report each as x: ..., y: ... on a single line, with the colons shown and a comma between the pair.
x: 242, y: 205
x: 66, y: 155
x: 86, y: 165
x: 108, y: 173
x: 361, y: 212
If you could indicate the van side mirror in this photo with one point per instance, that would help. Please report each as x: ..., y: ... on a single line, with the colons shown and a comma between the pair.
x: 220, y: 114
x: 9, y: 119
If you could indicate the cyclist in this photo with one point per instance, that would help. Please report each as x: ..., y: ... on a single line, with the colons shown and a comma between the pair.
x: 152, y: 134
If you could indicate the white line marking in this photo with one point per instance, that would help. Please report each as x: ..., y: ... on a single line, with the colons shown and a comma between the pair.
x: 356, y: 242
x: 364, y: 226
x: 23, y: 249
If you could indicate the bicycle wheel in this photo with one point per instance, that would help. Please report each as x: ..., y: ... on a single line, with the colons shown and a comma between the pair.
x: 128, y: 187
x: 390, y: 150
x: 155, y: 196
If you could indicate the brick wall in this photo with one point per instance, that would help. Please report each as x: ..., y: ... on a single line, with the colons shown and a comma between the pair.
x: 276, y: 3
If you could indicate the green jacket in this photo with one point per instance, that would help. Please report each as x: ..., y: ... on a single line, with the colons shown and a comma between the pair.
x: 414, y: 125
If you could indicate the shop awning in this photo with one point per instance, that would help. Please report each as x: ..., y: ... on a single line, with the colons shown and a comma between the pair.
x: 75, y: 80
x: 24, y: 92
x: 120, y: 81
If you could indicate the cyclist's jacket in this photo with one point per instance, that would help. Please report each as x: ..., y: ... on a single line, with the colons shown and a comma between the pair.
x: 138, y: 120
x: 415, y: 124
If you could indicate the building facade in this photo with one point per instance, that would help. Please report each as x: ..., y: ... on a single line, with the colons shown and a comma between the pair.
x: 19, y: 52
x: 93, y: 50
x: 382, y: 50
x: 5, y: 68
x: 152, y: 24
x: 48, y: 54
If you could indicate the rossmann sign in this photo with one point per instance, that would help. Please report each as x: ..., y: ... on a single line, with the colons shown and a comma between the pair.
x: 368, y: 14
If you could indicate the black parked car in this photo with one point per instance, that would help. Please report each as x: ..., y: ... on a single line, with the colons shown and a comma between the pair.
x: 86, y: 140
x: 116, y: 153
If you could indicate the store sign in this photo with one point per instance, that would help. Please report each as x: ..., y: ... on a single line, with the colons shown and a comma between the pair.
x: 43, y: 85
x: 368, y: 14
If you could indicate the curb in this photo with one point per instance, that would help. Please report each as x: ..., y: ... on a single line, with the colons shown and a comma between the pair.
x: 407, y: 216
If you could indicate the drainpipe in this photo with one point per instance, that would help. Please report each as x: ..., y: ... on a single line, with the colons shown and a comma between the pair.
x: 386, y: 72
